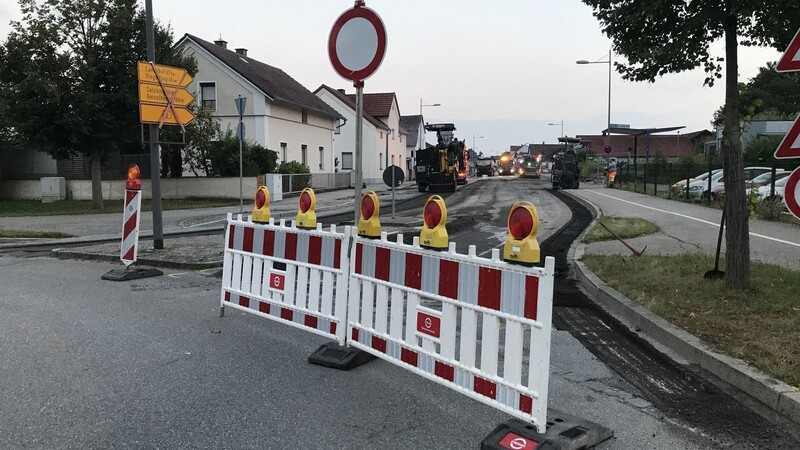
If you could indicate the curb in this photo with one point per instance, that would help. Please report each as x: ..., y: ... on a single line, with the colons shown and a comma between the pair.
x: 773, y: 393
x: 67, y: 254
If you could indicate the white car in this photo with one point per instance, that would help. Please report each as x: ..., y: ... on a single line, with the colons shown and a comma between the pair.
x: 680, y: 185
x: 700, y: 189
x: 762, y: 192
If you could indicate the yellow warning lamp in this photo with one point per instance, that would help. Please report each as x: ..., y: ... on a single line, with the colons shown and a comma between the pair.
x: 369, y: 223
x: 434, y: 216
x: 521, y: 246
x: 133, y: 180
x: 306, y: 214
x: 261, y: 212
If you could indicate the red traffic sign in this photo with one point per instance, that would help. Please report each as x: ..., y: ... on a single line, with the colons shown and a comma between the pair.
x: 277, y: 281
x: 357, y: 43
x: 790, y: 61
x: 607, y: 149
x: 429, y: 324
x: 791, y: 192
x: 790, y: 145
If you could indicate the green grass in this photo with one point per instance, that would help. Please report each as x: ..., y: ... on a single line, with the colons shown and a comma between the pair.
x: 624, y: 227
x: 33, y: 234
x: 760, y: 325
x: 18, y: 208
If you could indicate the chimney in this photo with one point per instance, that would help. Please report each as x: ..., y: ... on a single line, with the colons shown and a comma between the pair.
x: 341, y: 90
x: 221, y: 43
x: 241, y: 51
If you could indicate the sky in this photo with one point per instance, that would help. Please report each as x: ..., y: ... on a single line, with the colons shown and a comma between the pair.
x: 502, y: 72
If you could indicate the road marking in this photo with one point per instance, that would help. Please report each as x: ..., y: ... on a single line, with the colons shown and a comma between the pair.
x: 692, y: 218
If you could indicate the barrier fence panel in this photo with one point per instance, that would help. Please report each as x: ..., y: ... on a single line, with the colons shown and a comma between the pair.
x: 479, y: 326
x: 287, y: 274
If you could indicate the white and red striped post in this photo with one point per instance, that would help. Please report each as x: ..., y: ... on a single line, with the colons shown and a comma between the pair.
x: 130, y: 217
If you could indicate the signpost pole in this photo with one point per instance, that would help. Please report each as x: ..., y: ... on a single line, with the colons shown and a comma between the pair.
x: 393, y: 184
x: 240, y: 103
x: 359, y: 138
x: 155, y: 160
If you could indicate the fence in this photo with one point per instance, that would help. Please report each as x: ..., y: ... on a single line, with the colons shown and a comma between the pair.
x: 296, y: 182
x: 479, y: 326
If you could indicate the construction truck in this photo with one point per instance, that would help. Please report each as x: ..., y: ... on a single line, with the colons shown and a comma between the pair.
x: 507, y: 164
x: 565, y: 173
x: 443, y: 166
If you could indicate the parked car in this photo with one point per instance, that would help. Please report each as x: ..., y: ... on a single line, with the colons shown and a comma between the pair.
x: 718, y: 193
x: 763, y: 192
x: 700, y: 189
x: 680, y: 185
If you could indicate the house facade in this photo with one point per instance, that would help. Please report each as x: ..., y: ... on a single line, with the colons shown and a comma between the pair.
x: 280, y: 113
x: 413, y: 127
x: 383, y: 142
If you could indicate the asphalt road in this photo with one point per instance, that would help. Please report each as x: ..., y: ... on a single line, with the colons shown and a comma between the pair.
x: 94, y: 364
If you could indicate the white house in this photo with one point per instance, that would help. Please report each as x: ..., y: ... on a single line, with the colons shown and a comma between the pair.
x: 414, y: 129
x: 280, y: 113
x: 383, y: 143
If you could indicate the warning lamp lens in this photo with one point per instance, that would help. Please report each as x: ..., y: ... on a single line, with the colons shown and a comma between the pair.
x: 305, y: 202
x: 432, y: 214
x: 367, y: 207
x: 521, y: 223
x: 261, y: 198
x: 133, y: 172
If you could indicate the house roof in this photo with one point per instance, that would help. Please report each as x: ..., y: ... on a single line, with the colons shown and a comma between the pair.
x: 666, y: 144
x: 378, y: 104
x: 410, y: 126
x: 272, y: 81
x: 352, y: 105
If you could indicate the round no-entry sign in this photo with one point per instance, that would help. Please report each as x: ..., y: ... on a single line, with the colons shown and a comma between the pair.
x: 607, y: 149
x: 791, y: 192
x: 357, y: 43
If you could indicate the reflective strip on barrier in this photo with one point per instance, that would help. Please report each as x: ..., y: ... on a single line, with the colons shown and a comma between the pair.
x: 422, y: 310
x: 287, y: 274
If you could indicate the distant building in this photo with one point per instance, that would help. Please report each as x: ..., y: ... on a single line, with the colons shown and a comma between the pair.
x: 280, y: 114
x: 751, y: 131
x: 670, y: 146
x: 413, y: 127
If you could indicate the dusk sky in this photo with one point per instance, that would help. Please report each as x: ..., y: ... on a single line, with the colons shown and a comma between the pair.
x: 501, y: 70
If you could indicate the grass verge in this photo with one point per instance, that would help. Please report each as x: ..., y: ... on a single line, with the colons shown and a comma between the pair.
x: 33, y: 234
x: 18, y: 208
x: 624, y: 227
x: 760, y: 325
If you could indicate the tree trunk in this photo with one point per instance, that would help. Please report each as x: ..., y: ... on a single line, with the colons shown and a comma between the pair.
x: 737, y: 233
x: 96, y: 165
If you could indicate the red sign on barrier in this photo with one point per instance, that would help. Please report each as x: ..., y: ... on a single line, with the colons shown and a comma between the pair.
x: 429, y: 324
x: 277, y: 281
x: 516, y: 442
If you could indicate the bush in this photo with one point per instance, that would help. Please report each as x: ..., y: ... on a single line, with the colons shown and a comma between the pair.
x: 293, y: 167
x: 224, y: 157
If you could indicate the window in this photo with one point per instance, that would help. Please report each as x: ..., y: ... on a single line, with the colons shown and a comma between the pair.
x: 392, y: 133
x: 347, y: 161
x: 392, y: 159
x: 321, y: 158
x: 380, y: 161
x: 283, y: 152
x: 381, y: 135
x: 208, y: 95
x: 304, y: 154
x: 304, y: 115
x: 412, y: 153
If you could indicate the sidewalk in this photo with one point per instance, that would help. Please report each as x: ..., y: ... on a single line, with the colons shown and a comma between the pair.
x: 685, y: 228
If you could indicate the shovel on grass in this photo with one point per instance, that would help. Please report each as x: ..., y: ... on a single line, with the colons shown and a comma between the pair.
x: 717, y: 274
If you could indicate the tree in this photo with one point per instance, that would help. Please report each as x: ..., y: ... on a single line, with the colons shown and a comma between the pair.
x: 770, y: 95
x: 69, y: 74
x: 201, y: 136
x: 664, y: 37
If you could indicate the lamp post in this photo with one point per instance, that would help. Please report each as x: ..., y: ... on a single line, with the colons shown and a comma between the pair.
x: 423, y: 104
x: 610, y: 65
x: 473, y: 141
x: 559, y: 123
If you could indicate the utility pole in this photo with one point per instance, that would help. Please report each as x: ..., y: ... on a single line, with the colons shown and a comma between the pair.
x: 155, y: 160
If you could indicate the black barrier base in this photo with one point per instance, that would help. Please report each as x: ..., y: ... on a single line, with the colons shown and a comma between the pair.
x: 564, y: 431
x: 130, y: 274
x: 331, y: 354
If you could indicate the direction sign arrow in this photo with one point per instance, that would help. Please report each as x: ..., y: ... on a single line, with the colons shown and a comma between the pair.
x: 153, y: 94
x: 790, y: 61
x: 790, y: 145
x: 170, y: 76
x: 153, y: 113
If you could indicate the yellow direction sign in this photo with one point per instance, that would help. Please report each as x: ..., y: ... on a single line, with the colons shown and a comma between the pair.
x: 153, y: 93
x: 154, y: 113
x: 170, y: 76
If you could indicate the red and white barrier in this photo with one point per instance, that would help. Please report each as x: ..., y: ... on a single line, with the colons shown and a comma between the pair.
x: 130, y: 226
x: 480, y: 326
x: 287, y: 274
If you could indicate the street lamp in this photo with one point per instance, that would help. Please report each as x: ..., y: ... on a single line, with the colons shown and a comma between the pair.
x: 610, y: 65
x: 559, y: 123
x: 473, y: 141
x: 423, y: 104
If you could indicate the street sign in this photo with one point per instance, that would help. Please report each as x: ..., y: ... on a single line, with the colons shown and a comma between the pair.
x: 153, y: 93
x: 607, y: 149
x: 153, y: 114
x: 791, y: 192
x: 620, y: 125
x: 170, y: 76
x: 241, y: 130
x: 357, y: 43
x: 399, y: 177
x: 240, y: 104
x: 790, y: 61
x: 790, y: 145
